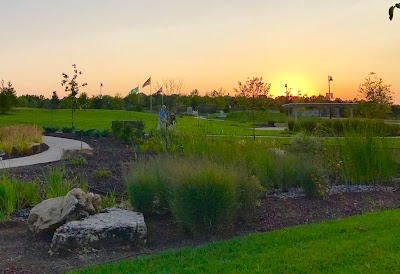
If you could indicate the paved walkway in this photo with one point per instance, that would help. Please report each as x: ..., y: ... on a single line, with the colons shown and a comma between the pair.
x: 57, y: 147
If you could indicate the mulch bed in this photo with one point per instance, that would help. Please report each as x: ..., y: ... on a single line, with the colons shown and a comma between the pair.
x: 21, y: 252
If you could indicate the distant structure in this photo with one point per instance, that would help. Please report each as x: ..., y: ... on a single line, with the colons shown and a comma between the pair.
x: 320, y: 109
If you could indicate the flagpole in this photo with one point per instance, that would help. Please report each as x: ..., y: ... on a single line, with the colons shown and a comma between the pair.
x: 151, y: 99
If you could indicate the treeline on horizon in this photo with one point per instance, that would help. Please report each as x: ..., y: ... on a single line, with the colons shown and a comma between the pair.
x: 209, y: 103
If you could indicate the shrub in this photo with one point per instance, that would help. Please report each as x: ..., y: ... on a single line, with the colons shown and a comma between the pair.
x: 67, y: 129
x: 127, y: 130
x: 304, y: 143
x: 105, y: 133
x: 78, y: 161
x: 50, y: 129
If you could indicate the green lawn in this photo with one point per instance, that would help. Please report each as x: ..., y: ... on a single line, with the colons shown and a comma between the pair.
x: 101, y: 119
x: 368, y: 243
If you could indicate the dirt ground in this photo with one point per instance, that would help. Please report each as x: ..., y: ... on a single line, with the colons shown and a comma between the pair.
x: 20, y: 252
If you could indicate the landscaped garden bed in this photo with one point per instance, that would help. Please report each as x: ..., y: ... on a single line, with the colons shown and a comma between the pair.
x: 105, y: 170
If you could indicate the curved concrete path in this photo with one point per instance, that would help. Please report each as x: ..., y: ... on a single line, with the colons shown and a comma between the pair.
x: 57, y: 147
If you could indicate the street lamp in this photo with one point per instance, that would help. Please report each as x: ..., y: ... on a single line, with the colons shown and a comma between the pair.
x: 329, y: 95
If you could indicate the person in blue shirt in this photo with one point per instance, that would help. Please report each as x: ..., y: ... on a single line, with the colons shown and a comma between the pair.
x: 162, y: 118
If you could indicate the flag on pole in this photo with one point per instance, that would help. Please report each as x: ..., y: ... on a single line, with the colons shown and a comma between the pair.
x: 159, y: 91
x: 148, y: 82
x: 330, y: 78
x: 134, y: 91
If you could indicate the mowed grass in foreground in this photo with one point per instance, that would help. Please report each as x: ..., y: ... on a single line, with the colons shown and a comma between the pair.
x: 368, y: 243
x: 101, y: 120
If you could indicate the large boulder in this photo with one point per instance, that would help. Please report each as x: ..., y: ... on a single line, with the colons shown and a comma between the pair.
x: 110, y: 228
x: 52, y: 213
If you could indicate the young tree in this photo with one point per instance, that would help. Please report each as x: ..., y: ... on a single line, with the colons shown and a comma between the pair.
x: 8, y: 98
x: 172, y: 86
x: 255, y: 89
x: 72, y: 86
x: 377, y: 97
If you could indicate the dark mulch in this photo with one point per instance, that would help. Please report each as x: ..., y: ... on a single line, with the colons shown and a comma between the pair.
x: 20, y: 252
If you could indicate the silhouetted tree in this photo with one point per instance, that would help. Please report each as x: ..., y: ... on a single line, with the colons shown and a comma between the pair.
x: 8, y: 98
x: 377, y: 97
x: 54, y: 100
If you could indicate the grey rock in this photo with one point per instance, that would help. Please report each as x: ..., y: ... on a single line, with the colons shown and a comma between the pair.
x: 113, y: 227
x: 52, y: 213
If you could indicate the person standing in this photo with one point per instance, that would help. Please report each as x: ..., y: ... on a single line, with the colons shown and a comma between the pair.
x: 162, y: 118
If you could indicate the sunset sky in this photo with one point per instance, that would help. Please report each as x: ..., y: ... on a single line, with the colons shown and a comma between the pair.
x: 208, y: 44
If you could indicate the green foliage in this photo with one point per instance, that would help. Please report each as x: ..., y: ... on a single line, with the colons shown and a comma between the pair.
x: 147, y: 186
x: 378, y: 97
x: 8, y: 195
x: 109, y: 200
x: 15, y: 195
x: 200, y: 194
x: 128, y: 131
x: 102, y: 173
x: 28, y: 194
x: 67, y: 129
x: 338, y: 127
x: 55, y: 185
x: 78, y: 161
x: 303, y: 143
x: 365, y: 159
x: 8, y: 97
x: 260, y: 117
x: 50, y: 129
x: 93, y: 133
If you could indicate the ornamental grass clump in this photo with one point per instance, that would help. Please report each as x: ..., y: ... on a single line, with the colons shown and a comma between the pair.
x: 19, y: 137
x: 366, y: 159
x: 15, y: 195
x: 200, y: 194
x: 55, y: 185
x: 147, y: 186
x: 8, y: 195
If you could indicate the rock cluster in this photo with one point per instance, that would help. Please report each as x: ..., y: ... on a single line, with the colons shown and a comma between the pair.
x: 52, y: 213
x: 78, y: 227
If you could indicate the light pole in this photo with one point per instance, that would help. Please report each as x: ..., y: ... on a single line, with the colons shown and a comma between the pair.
x: 287, y: 98
x: 329, y: 95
